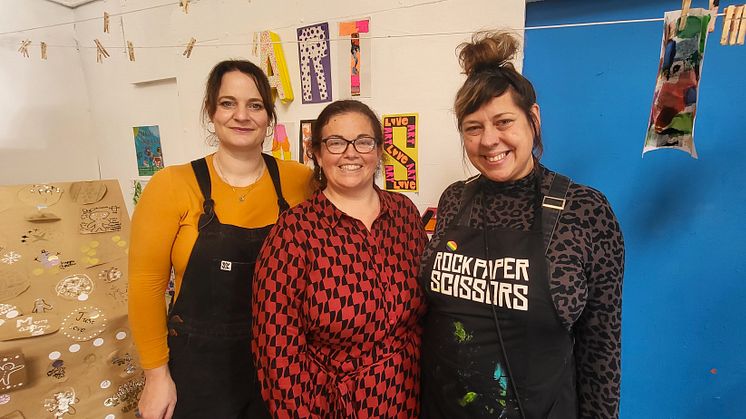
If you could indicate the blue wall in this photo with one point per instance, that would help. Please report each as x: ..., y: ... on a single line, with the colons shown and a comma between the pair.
x: 683, y: 219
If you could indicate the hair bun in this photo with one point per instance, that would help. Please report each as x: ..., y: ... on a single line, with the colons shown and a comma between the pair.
x: 487, y: 50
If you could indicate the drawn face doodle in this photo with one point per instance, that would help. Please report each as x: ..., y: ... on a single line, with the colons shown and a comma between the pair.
x: 71, y: 287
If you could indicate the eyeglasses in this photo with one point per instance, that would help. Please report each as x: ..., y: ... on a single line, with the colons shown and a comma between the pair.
x: 337, y: 145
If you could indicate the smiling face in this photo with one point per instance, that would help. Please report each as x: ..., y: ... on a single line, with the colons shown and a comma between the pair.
x: 350, y: 171
x: 240, y: 118
x: 499, y: 139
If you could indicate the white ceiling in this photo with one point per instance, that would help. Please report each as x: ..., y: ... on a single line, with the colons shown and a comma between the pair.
x: 71, y: 3
x: 75, y: 3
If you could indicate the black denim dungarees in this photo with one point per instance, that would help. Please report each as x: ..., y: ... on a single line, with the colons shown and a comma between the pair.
x: 210, y: 322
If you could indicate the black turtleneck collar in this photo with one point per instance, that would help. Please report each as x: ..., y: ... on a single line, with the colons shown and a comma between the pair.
x: 527, y: 182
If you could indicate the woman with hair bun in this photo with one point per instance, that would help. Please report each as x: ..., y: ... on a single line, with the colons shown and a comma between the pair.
x: 523, y: 275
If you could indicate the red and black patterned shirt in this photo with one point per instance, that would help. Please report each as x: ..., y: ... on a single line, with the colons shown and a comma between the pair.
x: 337, y: 312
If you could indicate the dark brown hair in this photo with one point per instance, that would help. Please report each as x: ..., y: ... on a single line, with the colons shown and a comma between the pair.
x: 212, y: 87
x: 331, y: 110
x: 485, y: 61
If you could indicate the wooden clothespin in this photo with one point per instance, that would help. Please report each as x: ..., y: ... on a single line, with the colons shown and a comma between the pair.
x: 101, y: 52
x: 714, y: 6
x: 106, y: 22
x: 184, y: 5
x: 43, y: 50
x: 742, y: 28
x: 685, y: 5
x: 735, y: 26
x: 188, y: 51
x: 727, y: 23
x: 130, y: 51
x: 24, y: 48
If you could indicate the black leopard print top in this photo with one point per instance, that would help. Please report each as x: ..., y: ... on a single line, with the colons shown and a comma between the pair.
x: 586, y: 259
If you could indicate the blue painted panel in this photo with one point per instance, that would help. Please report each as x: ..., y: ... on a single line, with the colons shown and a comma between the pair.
x: 683, y: 219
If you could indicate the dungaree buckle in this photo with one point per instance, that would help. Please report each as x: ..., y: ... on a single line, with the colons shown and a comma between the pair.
x: 553, y: 203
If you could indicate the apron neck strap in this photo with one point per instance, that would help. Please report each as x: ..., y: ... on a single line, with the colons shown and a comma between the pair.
x: 274, y: 173
x: 202, y: 174
x: 552, y: 205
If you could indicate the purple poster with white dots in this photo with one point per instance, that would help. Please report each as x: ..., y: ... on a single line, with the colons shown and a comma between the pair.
x: 315, y: 63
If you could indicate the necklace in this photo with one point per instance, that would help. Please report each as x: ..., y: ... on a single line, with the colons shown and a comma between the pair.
x: 219, y: 170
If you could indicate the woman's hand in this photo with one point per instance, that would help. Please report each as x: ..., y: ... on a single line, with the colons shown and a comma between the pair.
x: 158, y: 398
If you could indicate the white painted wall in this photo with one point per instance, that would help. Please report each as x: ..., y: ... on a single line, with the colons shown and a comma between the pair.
x: 413, y: 73
x: 47, y: 132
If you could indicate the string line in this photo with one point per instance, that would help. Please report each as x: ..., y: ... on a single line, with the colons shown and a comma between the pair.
x: 208, y: 42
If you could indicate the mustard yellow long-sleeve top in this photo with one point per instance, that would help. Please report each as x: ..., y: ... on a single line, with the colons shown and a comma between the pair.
x: 164, y: 231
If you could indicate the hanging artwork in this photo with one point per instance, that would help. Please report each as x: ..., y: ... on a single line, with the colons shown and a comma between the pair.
x: 674, y: 108
x: 148, y: 149
x: 304, y: 141
x: 281, y: 143
x: 272, y: 60
x: 315, y: 63
x: 138, y: 186
x: 358, y: 62
x: 429, y: 219
x: 400, y: 152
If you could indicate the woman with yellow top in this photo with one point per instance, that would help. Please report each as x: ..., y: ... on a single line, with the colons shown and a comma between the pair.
x: 208, y: 220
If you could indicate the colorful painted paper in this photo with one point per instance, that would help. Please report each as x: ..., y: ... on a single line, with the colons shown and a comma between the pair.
x: 138, y: 186
x: 353, y: 30
x: 304, y: 141
x: 272, y: 60
x: 429, y: 219
x: 281, y: 143
x: 672, y: 117
x: 400, y: 152
x: 315, y: 63
x: 148, y: 148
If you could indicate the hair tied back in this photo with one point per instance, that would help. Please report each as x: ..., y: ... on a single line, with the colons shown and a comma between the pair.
x: 487, y: 51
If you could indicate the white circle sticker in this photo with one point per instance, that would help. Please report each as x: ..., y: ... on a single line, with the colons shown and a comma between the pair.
x: 109, y: 416
x: 12, y: 314
x: 4, y: 398
x: 121, y: 335
x: 105, y: 384
x: 83, y: 297
x: 74, y: 347
x: 98, y: 342
x: 54, y: 355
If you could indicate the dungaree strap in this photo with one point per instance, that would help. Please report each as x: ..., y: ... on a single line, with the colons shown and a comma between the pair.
x: 203, y: 179
x: 274, y: 173
x: 552, y: 204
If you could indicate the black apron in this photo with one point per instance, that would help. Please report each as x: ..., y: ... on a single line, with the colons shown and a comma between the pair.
x: 492, y: 330
x: 210, y: 323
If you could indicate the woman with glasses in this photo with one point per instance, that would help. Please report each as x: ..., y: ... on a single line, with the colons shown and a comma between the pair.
x: 337, y: 306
